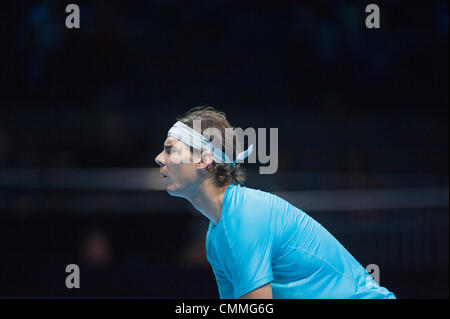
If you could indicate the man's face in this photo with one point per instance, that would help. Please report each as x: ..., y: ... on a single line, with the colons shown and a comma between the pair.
x: 177, y: 168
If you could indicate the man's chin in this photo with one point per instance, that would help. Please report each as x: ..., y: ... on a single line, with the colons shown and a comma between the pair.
x: 171, y: 191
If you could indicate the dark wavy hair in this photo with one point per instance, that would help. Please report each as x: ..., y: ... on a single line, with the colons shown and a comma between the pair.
x: 211, y: 118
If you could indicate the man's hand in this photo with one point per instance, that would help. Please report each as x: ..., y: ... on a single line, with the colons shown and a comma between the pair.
x: 263, y: 292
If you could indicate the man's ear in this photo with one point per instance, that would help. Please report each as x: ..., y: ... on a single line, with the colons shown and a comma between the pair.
x: 205, y: 160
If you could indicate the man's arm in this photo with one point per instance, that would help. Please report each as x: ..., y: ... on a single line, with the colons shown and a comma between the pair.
x: 263, y: 292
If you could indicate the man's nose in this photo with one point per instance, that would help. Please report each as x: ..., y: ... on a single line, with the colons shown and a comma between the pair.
x: 160, y: 159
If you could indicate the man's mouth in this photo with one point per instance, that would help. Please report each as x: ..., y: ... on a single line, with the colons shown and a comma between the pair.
x: 163, y: 175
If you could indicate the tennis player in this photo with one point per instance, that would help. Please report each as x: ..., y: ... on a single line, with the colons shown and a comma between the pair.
x: 258, y: 245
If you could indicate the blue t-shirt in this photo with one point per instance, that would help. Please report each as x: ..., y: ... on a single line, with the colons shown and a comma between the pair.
x: 261, y: 238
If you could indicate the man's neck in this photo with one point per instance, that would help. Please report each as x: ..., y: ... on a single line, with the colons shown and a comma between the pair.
x: 209, y: 200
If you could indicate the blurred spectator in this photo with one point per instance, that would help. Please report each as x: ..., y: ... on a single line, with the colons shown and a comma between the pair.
x: 96, y: 250
x: 112, y: 131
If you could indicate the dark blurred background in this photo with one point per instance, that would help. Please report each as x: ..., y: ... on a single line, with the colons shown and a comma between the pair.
x: 363, y: 135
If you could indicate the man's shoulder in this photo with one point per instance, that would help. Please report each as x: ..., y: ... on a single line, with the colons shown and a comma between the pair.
x: 251, y: 198
x: 250, y: 194
x: 246, y: 199
x: 249, y: 207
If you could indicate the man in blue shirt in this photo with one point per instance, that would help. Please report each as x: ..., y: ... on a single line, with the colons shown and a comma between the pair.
x: 258, y: 245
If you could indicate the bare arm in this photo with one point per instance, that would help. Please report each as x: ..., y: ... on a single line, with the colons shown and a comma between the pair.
x: 263, y: 292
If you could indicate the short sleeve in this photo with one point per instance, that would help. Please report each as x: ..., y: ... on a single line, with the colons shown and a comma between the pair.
x: 250, y: 239
x: 223, y: 284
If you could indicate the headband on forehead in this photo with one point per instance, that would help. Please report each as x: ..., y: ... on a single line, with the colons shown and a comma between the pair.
x: 191, y: 137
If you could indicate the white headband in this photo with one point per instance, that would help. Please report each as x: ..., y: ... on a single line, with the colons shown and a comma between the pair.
x: 192, y: 138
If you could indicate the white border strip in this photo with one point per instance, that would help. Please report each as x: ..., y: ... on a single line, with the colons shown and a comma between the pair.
x: 148, y: 179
